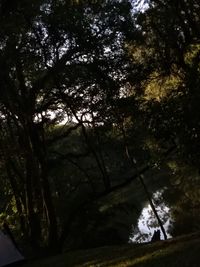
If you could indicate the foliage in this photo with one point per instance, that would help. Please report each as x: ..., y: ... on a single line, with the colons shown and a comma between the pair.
x: 92, y: 96
x: 167, y: 88
x: 59, y: 60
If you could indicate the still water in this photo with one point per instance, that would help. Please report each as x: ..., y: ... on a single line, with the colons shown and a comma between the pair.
x: 147, y: 222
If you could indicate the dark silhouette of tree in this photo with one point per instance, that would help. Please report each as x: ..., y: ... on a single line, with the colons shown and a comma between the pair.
x: 169, y: 62
x: 61, y: 60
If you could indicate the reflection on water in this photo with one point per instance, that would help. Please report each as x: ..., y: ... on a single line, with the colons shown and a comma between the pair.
x: 147, y: 222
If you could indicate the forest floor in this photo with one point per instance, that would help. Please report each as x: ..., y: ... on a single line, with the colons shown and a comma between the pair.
x: 183, y: 251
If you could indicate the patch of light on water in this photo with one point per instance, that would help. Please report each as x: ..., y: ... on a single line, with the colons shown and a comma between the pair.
x: 147, y: 223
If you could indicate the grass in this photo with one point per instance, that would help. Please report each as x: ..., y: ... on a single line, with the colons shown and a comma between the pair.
x: 180, y: 252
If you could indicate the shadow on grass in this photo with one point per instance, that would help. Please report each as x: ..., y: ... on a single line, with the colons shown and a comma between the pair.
x: 179, y: 252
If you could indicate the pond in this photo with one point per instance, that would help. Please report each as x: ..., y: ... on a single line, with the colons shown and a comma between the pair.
x: 147, y: 223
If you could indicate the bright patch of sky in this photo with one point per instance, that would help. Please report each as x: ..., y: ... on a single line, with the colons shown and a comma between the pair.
x: 140, y: 5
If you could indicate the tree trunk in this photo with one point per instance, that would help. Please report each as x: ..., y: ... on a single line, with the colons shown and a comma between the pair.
x: 144, y: 187
x: 153, y: 207
x: 50, y: 212
x: 17, y: 196
x: 39, y: 147
x: 33, y: 215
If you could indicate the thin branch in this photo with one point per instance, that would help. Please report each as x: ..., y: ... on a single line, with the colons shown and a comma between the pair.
x: 139, y: 172
x: 63, y: 135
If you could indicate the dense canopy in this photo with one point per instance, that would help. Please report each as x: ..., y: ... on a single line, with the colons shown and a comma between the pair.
x: 99, y: 109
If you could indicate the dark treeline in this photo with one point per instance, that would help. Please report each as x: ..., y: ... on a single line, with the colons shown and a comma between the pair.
x: 99, y: 108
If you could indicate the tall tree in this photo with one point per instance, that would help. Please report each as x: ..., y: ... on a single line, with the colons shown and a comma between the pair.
x: 59, y: 59
x: 168, y: 55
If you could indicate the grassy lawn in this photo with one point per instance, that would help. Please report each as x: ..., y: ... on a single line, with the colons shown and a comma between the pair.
x: 181, y: 252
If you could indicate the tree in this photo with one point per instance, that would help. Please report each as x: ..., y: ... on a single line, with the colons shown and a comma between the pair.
x: 168, y: 55
x: 58, y: 60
